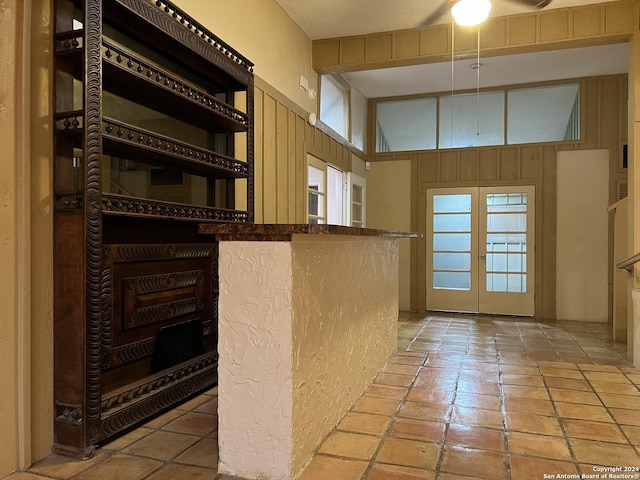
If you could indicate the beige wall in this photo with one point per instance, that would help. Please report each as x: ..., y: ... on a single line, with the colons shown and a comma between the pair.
x: 11, y: 57
x: 582, y: 260
x: 389, y: 208
x: 633, y: 333
x: 41, y: 171
x: 262, y: 32
x: 25, y: 235
x: 603, y: 126
x: 621, y: 277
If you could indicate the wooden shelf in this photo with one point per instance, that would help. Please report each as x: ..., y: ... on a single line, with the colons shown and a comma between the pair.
x: 123, y: 205
x: 132, y: 142
x: 141, y: 81
x: 172, y: 31
x: 135, y: 78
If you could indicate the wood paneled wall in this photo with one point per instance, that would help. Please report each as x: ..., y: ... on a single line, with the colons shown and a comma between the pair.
x: 283, y: 137
x: 604, y: 126
x: 541, y: 30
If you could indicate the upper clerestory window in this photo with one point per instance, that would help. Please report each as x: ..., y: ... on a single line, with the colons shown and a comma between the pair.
x: 548, y: 113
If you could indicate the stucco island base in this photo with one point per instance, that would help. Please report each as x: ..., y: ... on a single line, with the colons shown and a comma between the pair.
x: 304, y: 325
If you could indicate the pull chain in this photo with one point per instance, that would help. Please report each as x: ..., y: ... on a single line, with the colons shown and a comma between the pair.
x: 478, y: 87
x: 453, y: 37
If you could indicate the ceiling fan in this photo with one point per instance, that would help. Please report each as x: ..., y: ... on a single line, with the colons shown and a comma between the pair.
x: 472, y: 12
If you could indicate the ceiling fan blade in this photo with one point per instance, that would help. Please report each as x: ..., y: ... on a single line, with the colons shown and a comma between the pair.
x: 539, y: 4
x: 435, y: 16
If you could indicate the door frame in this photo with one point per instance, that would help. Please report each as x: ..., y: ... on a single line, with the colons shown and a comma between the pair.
x: 478, y: 300
x: 465, y: 300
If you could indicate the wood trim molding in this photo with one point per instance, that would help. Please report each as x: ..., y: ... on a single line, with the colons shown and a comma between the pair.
x: 23, y: 235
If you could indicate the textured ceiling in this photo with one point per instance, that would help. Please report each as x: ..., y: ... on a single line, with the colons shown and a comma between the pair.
x: 494, y: 71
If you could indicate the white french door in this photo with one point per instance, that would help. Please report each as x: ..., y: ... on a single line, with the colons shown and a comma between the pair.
x: 480, y: 245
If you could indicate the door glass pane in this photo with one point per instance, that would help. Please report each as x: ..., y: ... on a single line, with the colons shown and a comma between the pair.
x: 507, y: 242
x: 496, y: 282
x: 452, y: 261
x: 452, y: 242
x: 452, y: 280
x: 457, y: 242
x: 501, y: 202
x: 506, y: 259
x: 460, y: 222
x: 506, y: 222
x: 452, y: 203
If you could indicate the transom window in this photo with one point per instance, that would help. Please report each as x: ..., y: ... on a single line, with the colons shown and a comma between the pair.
x: 549, y: 113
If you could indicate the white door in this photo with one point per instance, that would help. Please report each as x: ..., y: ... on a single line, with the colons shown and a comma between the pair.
x: 325, y: 193
x: 480, y: 250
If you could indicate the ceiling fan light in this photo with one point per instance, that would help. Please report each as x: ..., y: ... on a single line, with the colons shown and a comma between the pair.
x: 468, y: 13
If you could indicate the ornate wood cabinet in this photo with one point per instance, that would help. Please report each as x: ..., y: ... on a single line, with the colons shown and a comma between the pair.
x: 153, y: 135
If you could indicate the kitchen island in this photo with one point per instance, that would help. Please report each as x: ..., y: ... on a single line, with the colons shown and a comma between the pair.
x: 307, y: 319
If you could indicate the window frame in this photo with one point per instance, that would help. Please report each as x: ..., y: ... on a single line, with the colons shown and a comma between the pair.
x: 373, y: 142
x: 345, y: 87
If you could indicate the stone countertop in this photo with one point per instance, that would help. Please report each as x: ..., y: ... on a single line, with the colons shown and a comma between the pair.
x: 285, y: 232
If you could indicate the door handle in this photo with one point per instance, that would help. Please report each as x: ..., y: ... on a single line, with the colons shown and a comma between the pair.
x: 483, y: 257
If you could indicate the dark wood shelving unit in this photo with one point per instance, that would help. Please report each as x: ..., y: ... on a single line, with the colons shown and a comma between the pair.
x: 145, y: 137
x: 121, y: 138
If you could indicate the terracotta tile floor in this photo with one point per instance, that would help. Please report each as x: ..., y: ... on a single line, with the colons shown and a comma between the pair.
x: 465, y: 397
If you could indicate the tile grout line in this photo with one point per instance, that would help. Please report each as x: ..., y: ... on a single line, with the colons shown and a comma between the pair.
x: 394, y: 416
x: 607, y: 409
x: 565, y: 434
x: 503, y: 412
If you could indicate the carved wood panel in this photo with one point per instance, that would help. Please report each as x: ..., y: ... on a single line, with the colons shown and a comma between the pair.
x: 147, y: 287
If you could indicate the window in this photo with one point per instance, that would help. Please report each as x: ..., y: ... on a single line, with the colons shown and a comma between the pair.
x: 472, y: 120
x: 344, y: 109
x: 406, y: 125
x: 355, y: 202
x: 544, y: 114
x: 548, y: 113
x: 334, y: 104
